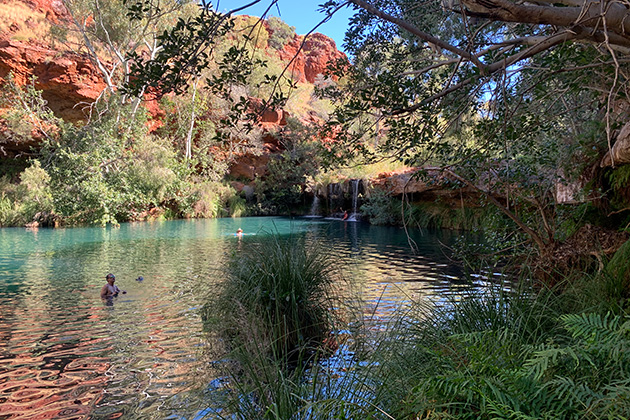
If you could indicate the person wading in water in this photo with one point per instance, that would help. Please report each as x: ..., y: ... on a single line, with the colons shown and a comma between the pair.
x: 110, y: 290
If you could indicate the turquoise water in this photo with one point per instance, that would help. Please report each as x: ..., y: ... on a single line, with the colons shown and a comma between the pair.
x: 66, y: 354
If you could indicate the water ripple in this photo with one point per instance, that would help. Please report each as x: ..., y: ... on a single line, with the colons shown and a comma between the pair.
x: 65, y: 354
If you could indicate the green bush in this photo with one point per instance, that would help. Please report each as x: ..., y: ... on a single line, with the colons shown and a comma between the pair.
x: 237, y: 206
x: 10, y: 211
x: 276, y: 295
x: 607, y: 290
x: 205, y: 199
x: 111, y: 170
x: 281, y: 33
x: 381, y: 209
x: 35, y: 190
x: 19, y: 203
x: 617, y: 279
x: 273, y: 312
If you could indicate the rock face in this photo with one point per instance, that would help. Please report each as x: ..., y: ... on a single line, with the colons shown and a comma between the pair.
x: 435, y: 186
x: 316, y: 52
x: 68, y: 81
x: 404, y: 182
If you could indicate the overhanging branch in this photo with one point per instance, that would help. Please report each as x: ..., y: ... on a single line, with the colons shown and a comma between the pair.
x: 420, y: 34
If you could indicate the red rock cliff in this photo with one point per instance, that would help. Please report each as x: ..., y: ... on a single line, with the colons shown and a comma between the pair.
x: 70, y: 82
x: 311, y: 60
x: 67, y: 81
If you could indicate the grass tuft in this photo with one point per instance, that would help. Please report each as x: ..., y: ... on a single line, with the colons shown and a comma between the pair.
x: 276, y: 295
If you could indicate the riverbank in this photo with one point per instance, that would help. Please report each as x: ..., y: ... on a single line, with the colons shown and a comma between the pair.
x: 497, y: 352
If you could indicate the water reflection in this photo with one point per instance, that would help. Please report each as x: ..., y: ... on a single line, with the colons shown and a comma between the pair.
x: 65, y: 354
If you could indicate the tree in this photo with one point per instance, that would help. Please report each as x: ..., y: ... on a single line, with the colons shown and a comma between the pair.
x: 288, y: 172
x: 509, y: 98
x: 113, y: 32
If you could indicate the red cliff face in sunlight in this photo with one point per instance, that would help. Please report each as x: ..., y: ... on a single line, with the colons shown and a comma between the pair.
x: 68, y: 81
x: 318, y: 51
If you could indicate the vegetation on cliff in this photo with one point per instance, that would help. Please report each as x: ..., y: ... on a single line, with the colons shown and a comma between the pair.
x: 173, y: 156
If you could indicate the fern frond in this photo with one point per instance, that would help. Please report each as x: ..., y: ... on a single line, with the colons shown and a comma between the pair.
x: 592, y: 327
x: 501, y: 411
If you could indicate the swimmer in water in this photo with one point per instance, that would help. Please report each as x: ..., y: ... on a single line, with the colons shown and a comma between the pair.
x: 110, y: 290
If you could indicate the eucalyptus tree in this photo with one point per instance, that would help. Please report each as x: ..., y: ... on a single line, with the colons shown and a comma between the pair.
x: 113, y: 31
x: 225, y: 58
x: 145, y: 49
x: 509, y: 98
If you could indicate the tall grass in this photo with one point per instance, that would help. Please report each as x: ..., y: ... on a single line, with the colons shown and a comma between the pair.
x: 23, y: 22
x: 506, y: 355
x: 607, y: 290
x: 497, y: 353
x: 10, y: 211
x: 276, y: 313
x: 276, y: 295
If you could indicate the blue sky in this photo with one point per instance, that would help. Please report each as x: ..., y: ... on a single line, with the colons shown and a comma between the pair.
x: 302, y: 14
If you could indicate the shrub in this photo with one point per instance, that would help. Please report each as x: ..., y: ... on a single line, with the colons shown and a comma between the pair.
x: 281, y: 33
x: 381, y: 209
x: 10, y: 211
x: 110, y: 170
x: 505, y: 355
x: 153, y: 172
x: 276, y: 296
x: 237, y: 206
x: 35, y: 190
x: 19, y: 203
x: 205, y: 199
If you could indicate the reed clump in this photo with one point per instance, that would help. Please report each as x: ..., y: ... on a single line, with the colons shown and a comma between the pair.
x: 276, y: 311
x: 276, y: 296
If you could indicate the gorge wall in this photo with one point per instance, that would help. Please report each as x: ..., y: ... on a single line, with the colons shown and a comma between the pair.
x: 70, y: 82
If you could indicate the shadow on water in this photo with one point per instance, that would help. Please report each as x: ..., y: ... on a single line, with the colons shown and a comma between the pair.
x: 64, y: 353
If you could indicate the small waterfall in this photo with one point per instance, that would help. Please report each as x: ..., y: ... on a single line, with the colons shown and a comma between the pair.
x: 355, y: 195
x: 315, y: 206
x: 354, y: 183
